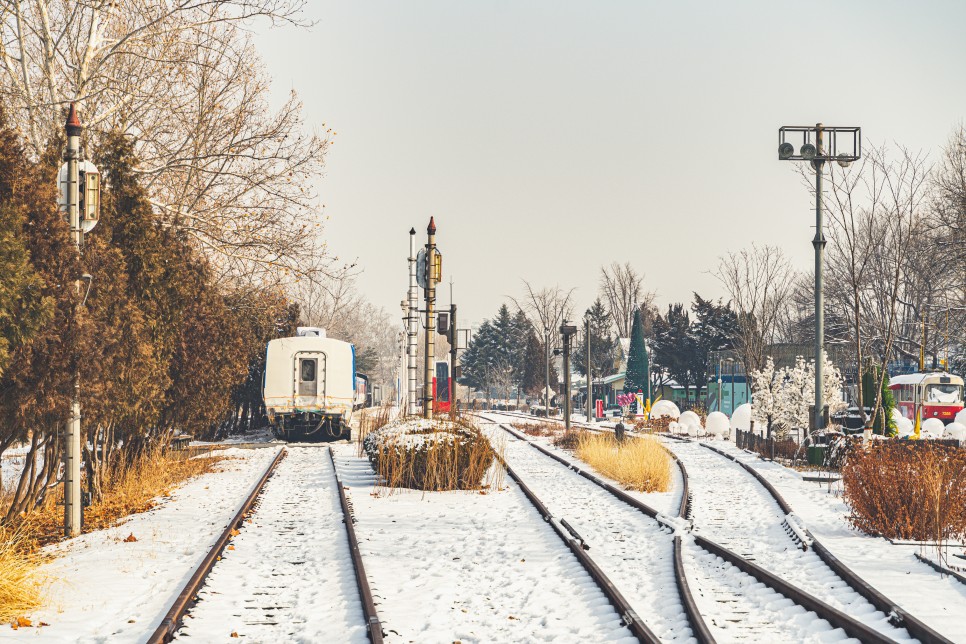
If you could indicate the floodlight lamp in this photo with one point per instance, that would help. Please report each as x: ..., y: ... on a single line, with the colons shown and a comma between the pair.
x: 843, y: 160
x: 808, y: 151
x: 786, y: 150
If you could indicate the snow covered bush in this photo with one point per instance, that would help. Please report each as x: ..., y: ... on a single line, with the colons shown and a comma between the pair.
x: 907, y: 490
x: 431, y: 455
x: 783, y: 397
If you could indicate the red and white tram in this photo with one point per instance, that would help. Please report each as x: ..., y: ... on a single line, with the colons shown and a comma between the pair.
x: 936, y: 395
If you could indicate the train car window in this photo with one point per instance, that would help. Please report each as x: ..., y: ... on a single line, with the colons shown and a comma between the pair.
x: 307, y: 370
x: 944, y: 394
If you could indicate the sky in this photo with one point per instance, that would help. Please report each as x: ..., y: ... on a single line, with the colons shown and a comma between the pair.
x: 551, y: 138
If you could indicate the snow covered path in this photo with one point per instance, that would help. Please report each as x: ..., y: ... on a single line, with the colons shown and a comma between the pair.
x: 289, y: 576
x: 631, y: 548
x: 472, y: 567
x: 892, y: 569
x: 731, y: 508
x: 106, y: 589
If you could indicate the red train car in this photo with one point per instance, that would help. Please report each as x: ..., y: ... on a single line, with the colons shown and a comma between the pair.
x: 936, y: 395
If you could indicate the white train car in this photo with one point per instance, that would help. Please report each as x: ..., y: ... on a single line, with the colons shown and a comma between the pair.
x: 309, y: 386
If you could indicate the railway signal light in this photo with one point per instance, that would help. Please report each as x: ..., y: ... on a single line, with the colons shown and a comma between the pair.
x: 442, y: 324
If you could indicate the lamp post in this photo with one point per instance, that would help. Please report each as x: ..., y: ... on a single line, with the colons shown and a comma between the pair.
x: 567, y: 331
x: 731, y: 405
x: 590, y: 375
x: 817, y: 154
x: 719, y: 383
x: 429, y: 365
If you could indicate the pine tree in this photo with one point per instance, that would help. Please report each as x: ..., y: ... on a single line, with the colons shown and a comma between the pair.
x: 675, y: 347
x: 635, y: 379
x: 714, y: 328
x: 603, y: 346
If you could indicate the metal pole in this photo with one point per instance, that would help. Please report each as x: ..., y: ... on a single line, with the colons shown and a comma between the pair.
x: 72, y: 454
x: 566, y: 368
x: 731, y: 406
x: 819, y: 244
x: 720, y: 396
x: 429, y: 364
x: 546, y: 392
x: 412, y: 327
x: 590, y: 377
x: 454, y: 338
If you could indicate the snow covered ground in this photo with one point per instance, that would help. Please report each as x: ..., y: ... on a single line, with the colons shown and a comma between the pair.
x: 892, y: 569
x: 105, y: 589
x: 631, y: 548
x: 472, y: 567
x: 289, y: 575
x: 731, y: 508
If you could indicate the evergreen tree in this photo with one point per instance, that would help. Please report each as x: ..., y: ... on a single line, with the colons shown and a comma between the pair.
x: 636, y: 376
x: 603, y: 346
x: 675, y: 346
x: 535, y: 367
x: 715, y: 324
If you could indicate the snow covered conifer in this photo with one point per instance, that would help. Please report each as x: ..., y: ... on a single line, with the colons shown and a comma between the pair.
x: 636, y: 376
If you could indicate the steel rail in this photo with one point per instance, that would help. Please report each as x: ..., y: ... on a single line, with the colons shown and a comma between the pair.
x: 628, y: 615
x: 373, y: 625
x: 172, y: 620
x: 833, y: 616
x: 698, y: 627
x: 898, y: 617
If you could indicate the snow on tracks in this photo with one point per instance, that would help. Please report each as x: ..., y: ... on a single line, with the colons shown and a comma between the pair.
x: 631, y: 548
x: 732, y: 508
x: 289, y: 575
x: 471, y: 567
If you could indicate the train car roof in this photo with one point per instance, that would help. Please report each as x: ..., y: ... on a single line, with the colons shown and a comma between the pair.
x: 918, y: 378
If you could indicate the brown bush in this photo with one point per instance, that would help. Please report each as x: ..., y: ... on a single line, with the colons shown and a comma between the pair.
x: 907, y: 490
x: 431, y: 455
x: 569, y: 440
x: 536, y: 429
x: 653, y: 425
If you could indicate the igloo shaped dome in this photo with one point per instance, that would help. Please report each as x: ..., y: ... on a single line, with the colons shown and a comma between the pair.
x: 718, y: 424
x: 665, y: 408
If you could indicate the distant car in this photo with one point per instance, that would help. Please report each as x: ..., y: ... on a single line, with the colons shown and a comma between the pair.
x: 613, y: 412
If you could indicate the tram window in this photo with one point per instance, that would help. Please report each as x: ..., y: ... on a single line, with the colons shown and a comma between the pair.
x: 307, y: 370
x: 944, y: 394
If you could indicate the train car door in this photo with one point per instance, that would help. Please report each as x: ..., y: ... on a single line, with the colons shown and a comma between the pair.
x: 309, y: 377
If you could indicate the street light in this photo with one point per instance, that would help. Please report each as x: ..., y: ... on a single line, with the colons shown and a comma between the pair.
x: 844, y: 146
x: 567, y: 331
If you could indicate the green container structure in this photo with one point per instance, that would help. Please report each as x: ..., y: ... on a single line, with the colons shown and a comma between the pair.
x: 816, y: 454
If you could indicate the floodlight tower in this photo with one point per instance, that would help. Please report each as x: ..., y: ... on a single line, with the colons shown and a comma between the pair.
x: 817, y: 154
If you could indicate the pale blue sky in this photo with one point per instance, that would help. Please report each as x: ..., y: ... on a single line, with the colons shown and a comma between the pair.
x: 548, y: 138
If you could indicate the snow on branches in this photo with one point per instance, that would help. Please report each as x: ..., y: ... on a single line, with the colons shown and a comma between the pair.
x: 783, y: 396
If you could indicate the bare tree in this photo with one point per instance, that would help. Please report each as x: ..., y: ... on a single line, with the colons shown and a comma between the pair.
x: 623, y: 288
x: 183, y: 79
x: 758, y: 280
x: 546, y: 308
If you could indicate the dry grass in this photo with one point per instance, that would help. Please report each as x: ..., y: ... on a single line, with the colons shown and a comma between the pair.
x: 536, y: 429
x: 638, y: 463
x: 371, y: 420
x: 21, y: 587
x: 569, y: 440
x: 443, y: 455
x: 131, y: 488
x: 902, y: 490
x: 653, y: 425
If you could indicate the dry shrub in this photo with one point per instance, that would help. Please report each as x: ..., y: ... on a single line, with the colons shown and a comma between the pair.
x: 21, y: 588
x: 569, y: 440
x: 430, y: 455
x: 637, y: 463
x: 131, y: 487
x: 371, y: 420
x: 654, y: 425
x: 907, y: 490
x: 536, y: 429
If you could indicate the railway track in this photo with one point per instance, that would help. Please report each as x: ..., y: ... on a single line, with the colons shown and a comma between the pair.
x: 280, y: 570
x: 714, y: 586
